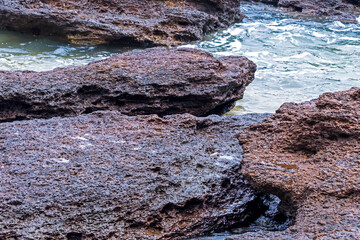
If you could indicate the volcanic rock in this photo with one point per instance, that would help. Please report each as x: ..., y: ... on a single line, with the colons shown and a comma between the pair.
x: 309, y: 155
x: 127, y: 22
x: 109, y: 176
x: 343, y: 10
x: 154, y: 81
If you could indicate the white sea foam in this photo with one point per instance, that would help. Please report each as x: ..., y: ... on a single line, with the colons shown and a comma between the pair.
x: 339, y: 24
x: 257, y: 54
x: 319, y: 35
x: 350, y: 39
x: 236, y: 31
x: 331, y: 41
x: 297, y: 56
x: 236, y: 45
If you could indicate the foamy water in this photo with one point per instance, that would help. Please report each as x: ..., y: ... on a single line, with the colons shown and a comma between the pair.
x: 298, y: 58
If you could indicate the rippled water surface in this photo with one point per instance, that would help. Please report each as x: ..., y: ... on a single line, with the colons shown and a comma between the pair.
x: 298, y: 58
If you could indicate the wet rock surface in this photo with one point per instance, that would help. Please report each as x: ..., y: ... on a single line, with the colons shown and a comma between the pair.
x: 309, y: 155
x: 127, y: 22
x: 109, y: 176
x: 154, y: 81
x: 343, y: 10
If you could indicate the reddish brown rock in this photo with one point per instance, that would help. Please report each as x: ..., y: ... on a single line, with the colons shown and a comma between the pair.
x: 111, y: 176
x: 343, y: 10
x: 154, y: 81
x: 127, y: 22
x: 309, y: 155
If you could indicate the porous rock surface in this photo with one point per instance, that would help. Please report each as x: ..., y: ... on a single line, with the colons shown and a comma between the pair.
x: 154, y: 81
x: 309, y: 155
x: 109, y: 176
x: 127, y: 22
x: 343, y: 10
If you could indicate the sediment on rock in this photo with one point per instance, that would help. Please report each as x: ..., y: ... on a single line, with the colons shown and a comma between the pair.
x: 154, y: 81
x: 343, y: 10
x: 126, y: 22
x: 109, y: 176
x: 309, y: 154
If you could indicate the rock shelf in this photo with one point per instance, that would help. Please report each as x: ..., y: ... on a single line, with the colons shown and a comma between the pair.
x: 125, y: 22
x: 154, y: 81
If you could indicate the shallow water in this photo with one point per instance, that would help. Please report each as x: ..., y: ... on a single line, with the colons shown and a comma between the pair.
x: 27, y: 52
x: 298, y: 58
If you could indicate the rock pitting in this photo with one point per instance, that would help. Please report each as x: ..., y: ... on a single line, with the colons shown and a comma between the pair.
x: 109, y: 176
x: 126, y: 22
x: 154, y: 81
x: 309, y: 155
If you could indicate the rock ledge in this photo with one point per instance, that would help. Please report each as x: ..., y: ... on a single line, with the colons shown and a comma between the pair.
x: 154, y: 81
x: 126, y: 22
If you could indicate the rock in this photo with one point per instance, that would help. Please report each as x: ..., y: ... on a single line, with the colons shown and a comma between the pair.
x: 309, y: 155
x: 154, y: 81
x: 109, y: 176
x: 126, y: 22
x: 343, y: 10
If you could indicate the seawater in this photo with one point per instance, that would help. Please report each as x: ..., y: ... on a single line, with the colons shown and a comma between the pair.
x: 26, y: 52
x: 298, y: 57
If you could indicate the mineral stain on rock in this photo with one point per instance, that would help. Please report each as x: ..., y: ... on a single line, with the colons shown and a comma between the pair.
x: 155, y: 81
